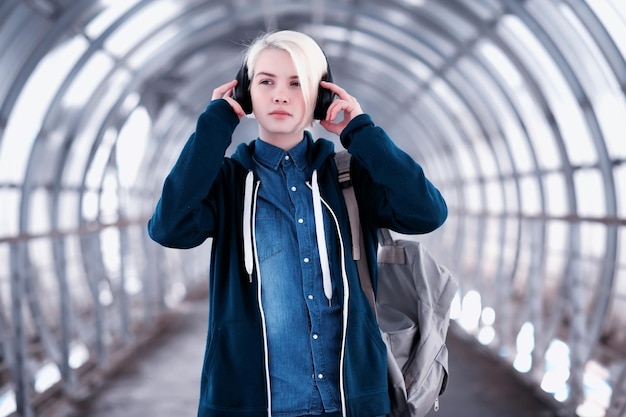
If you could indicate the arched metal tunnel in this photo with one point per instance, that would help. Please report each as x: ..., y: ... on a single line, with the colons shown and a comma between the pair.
x: 515, y: 108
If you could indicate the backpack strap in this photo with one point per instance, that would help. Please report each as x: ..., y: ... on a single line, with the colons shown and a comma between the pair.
x: 342, y: 160
x: 389, y: 252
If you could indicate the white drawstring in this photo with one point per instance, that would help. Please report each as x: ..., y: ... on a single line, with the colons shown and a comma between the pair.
x: 247, y: 225
x: 321, y: 238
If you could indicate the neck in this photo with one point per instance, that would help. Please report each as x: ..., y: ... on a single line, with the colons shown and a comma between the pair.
x: 284, y: 141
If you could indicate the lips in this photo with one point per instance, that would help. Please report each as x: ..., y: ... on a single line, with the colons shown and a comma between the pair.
x: 280, y: 113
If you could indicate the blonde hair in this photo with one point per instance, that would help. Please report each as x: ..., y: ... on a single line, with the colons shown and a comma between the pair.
x: 307, y: 56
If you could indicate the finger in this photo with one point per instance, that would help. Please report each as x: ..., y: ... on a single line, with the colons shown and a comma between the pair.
x: 335, y: 108
x: 223, y: 89
x: 343, y: 94
x: 235, y: 105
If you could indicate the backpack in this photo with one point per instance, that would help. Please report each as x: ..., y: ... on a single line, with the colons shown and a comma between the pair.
x: 412, y: 306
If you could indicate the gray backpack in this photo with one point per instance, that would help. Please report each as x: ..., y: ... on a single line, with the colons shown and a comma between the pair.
x: 413, y: 310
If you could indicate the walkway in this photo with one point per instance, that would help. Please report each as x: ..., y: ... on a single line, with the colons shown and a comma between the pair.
x: 164, y: 379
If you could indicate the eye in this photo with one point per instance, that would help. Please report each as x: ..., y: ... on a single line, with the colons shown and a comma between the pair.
x: 265, y: 82
x: 295, y: 83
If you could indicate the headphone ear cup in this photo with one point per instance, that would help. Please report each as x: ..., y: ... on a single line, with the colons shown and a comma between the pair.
x: 241, y: 92
x: 324, y: 98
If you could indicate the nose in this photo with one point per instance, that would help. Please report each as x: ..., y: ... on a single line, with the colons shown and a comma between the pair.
x: 280, y: 95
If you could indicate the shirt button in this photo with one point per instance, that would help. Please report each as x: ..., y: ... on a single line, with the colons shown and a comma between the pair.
x: 293, y: 188
x: 310, y: 297
x: 320, y: 376
x: 306, y: 260
x: 315, y: 336
x: 300, y: 221
x: 286, y: 157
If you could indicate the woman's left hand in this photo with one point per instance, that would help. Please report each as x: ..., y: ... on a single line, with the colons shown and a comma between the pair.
x: 346, y: 103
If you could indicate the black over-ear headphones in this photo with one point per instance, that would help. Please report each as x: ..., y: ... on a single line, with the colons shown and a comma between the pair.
x: 241, y: 93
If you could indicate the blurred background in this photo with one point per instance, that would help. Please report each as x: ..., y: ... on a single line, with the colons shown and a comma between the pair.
x: 515, y: 108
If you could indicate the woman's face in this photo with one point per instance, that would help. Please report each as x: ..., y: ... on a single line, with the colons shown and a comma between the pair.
x: 277, y: 99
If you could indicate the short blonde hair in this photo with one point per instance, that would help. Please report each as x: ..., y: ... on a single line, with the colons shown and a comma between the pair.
x: 308, y: 58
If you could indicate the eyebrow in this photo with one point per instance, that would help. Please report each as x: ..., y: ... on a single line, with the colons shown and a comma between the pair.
x: 269, y: 74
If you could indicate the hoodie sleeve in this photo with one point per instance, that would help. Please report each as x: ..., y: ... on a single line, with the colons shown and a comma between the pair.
x: 390, y: 186
x: 184, y: 216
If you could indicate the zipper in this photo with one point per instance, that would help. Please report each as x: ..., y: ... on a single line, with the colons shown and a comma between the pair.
x: 259, y: 301
x: 346, y: 298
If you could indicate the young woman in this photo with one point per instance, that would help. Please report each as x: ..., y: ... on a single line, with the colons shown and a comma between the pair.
x: 290, y: 331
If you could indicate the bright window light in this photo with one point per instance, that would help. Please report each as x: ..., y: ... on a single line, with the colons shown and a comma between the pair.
x: 525, y: 344
x: 79, y: 354
x: 471, y: 311
x: 558, y: 364
x: 8, y: 406
x: 486, y: 335
x: 488, y: 316
x: 46, y: 377
x: 131, y: 145
x: 31, y: 107
x: 612, y: 13
x: 88, y: 80
x: 154, y: 15
x: 598, y: 391
x: 114, y: 9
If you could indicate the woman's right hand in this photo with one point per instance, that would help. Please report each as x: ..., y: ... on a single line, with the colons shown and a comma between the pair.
x: 225, y: 91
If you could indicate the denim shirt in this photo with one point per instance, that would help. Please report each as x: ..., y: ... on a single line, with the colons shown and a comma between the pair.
x: 303, y: 330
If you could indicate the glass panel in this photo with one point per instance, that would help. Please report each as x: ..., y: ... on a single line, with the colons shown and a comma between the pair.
x: 76, y: 277
x: 473, y: 200
x: 68, y: 210
x: 82, y: 144
x: 593, y: 240
x: 611, y: 112
x: 87, y: 80
x: 114, y: 10
x: 131, y: 144
x: 568, y: 115
x: 133, y: 30
x: 511, y: 196
x: 45, y: 277
x: 612, y: 13
x: 556, y: 195
x: 5, y: 283
x: 620, y: 184
x: 101, y: 159
x: 9, y: 212
x: 109, y: 203
x: 519, y: 146
x: 590, y: 193
x: 31, y: 107
x: 529, y: 110
x: 457, y: 26
x: 531, y: 199
x: 495, y: 204
x: 155, y: 45
x: 556, y: 259
x: 39, y: 211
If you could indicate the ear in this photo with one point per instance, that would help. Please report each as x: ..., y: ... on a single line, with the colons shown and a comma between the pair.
x: 241, y: 92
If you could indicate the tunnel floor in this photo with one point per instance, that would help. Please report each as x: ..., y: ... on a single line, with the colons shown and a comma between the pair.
x: 163, y: 379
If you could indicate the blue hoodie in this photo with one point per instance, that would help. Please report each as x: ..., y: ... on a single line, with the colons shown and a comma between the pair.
x: 206, y: 195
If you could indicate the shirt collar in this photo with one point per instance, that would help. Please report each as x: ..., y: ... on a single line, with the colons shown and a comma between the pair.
x: 271, y: 156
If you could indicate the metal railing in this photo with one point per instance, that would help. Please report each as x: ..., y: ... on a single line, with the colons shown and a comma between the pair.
x: 77, y: 302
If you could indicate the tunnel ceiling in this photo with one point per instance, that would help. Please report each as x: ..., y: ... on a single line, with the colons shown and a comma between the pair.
x: 515, y: 109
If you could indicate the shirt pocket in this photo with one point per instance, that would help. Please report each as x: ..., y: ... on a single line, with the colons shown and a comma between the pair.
x: 268, y: 232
